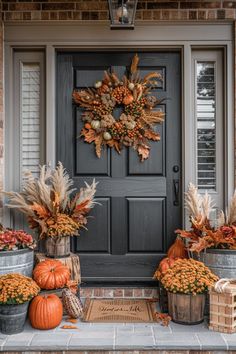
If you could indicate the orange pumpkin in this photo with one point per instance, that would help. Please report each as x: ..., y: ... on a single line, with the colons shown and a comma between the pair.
x: 51, y: 274
x: 165, y: 264
x: 177, y: 250
x: 45, y: 312
x: 128, y: 99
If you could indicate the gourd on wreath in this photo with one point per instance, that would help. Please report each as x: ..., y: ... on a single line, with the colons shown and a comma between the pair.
x: 51, y: 274
x: 72, y: 304
x: 45, y: 312
x: 136, y: 125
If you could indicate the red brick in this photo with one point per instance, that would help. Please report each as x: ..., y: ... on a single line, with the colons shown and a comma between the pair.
x: 138, y: 293
x: 165, y: 15
x: 76, y: 15
x: 162, y: 5
x: 58, y: 6
x: 99, y: 292
x: 118, y: 293
x: 147, y: 15
x: 128, y: 292
x: 53, y: 15
x: 24, y: 7
x: 65, y: 15
x: 156, y: 15
x: 45, y: 15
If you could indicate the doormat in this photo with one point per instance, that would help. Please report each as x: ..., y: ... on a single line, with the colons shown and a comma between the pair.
x: 119, y: 310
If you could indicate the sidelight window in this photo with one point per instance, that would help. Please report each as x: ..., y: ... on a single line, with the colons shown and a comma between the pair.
x: 208, y: 111
x: 29, y: 112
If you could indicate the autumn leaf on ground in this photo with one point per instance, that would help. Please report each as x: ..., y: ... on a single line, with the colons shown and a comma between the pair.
x: 150, y: 134
x: 89, y: 135
x: 143, y: 151
x: 163, y: 318
x: 72, y: 320
x: 69, y: 327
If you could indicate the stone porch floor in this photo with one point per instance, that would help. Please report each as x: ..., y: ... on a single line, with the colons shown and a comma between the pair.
x: 119, y: 337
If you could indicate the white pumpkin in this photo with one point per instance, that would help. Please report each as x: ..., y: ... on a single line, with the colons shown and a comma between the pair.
x: 98, y: 84
x: 107, y: 136
x: 130, y: 125
x: 131, y: 86
x: 95, y: 124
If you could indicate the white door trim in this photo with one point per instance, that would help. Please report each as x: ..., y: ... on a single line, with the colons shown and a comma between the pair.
x: 51, y: 37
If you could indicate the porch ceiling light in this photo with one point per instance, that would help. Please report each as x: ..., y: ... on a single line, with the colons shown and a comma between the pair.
x: 122, y: 13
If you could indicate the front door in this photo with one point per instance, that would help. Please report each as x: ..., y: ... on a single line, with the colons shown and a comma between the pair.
x: 140, y: 207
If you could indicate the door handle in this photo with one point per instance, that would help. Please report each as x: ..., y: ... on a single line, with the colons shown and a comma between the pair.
x: 176, y: 192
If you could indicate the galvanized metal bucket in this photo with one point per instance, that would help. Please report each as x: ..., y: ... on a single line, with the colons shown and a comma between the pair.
x: 220, y: 262
x: 12, y: 318
x: 20, y: 261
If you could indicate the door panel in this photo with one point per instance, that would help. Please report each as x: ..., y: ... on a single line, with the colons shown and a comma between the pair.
x: 132, y: 228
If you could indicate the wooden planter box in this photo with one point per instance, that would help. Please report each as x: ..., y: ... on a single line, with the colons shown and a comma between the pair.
x: 223, y: 310
x: 57, y: 247
x: 186, y: 309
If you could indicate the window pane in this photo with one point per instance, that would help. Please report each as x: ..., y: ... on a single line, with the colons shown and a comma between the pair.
x: 206, y: 125
x: 30, y: 113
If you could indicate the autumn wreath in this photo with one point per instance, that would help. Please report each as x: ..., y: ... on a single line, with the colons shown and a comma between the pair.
x: 135, y: 125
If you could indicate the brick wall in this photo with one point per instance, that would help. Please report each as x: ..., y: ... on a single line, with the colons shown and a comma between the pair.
x: 150, y: 10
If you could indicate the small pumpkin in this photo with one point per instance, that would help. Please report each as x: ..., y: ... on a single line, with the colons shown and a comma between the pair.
x: 177, y: 250
x: 165, y: 264
x: 45, y: 312
x: 95, y: 124
x: 51, y: 274
x: 128, y: 99
x: 107, y: 136
x: 72, y: 304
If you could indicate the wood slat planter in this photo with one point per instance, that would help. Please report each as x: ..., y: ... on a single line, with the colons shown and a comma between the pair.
x: 58, y: 247
x: 223, y: 310
x: 186, y: 309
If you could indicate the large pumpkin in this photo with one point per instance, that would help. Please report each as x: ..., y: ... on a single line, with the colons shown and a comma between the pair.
x: 51, y: 274
x: 45, y: 312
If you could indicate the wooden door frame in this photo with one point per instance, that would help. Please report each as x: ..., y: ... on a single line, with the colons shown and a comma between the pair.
x: 181, y: 35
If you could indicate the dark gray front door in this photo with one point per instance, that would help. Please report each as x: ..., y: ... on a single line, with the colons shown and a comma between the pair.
x: 140, y: 202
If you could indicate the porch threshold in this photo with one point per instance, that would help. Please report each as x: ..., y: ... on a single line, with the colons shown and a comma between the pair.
x: 119, y: 337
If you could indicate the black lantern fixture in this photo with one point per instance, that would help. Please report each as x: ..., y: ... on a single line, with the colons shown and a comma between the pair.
x: 122, y: 13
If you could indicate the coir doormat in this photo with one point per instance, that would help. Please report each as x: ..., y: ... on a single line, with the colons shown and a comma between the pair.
x: 119, y: 310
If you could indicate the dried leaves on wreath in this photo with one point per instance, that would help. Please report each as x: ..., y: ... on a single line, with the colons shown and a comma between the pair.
x: 136, y: 125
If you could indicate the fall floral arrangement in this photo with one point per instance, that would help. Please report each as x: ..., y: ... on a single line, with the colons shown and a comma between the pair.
x: 11, y: 240
x: 135, y: 125
x: 17, y: 289
x: 49, y: 205
x: 187, y: 276
x: 202, y: 233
